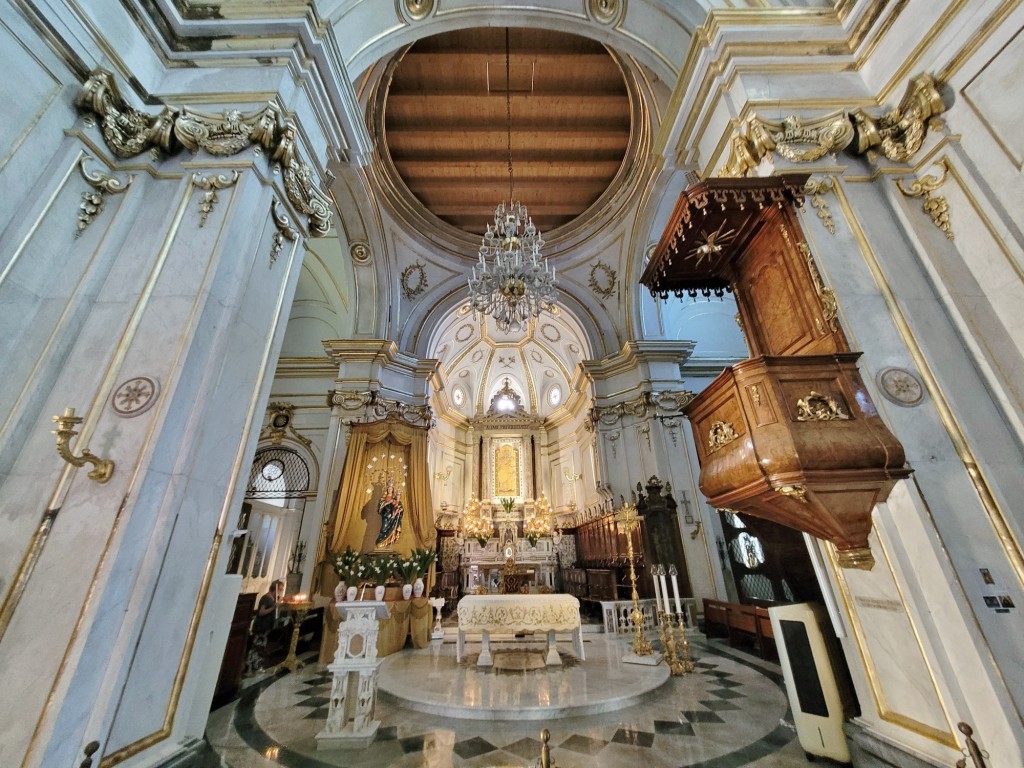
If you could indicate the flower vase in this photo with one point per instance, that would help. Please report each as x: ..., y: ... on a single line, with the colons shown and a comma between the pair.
x: 378, y: 592
x: 417, y: 587
x: 351, y: 593
x: 406, y: 591
x: 339, y: 592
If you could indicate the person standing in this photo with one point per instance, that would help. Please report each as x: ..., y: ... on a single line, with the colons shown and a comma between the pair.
x: 262, y: 623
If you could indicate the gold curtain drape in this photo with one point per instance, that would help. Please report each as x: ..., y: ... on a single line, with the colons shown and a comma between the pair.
x: 418, y: 519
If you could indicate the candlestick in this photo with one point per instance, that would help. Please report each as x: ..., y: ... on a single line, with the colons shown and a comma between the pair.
x: 675, y: 587
x: 664, y: 591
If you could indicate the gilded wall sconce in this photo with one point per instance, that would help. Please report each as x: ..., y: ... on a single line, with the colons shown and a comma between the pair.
x: 103, y: 468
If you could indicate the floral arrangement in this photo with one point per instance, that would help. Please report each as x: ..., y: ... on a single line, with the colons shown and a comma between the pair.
x: 376, y: 570
x: 346, y: 564
x: 508, y: 504
x: 425, y: 558
x: 409, y: 570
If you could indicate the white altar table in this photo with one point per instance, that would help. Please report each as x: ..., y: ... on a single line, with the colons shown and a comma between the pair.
x: 519, y: 613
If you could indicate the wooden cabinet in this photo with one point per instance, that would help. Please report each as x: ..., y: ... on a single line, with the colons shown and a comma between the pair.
x: 790, y: 435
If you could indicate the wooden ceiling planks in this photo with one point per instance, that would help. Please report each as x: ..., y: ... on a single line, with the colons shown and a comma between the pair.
x: 446, y: 126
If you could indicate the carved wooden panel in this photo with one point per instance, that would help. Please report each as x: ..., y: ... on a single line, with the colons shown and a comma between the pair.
x: 779, y: 303
x: 820, y: 467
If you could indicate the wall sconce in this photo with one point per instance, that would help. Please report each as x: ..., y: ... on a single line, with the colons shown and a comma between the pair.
x: 104, y: 468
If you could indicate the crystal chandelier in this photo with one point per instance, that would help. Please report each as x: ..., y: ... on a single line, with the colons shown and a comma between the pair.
x: 514, y: 283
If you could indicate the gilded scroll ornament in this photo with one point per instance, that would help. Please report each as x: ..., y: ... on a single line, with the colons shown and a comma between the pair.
x: 92, y: 202
x: 414, y: 280
x: 659, y: 403
x: 602, y: 280
x: 816, y: 188
x: 797, y: 492
x: 797, y: 142
x: 935, y: 206
x: 827, y: 297
x: 721, y: 434
x: 129, y: 132
x: 279, y: 424
x: 899, y: 133
x: 285, y: 231
x: 377, y: 408
x: 819, y: 407
x: 210, y: 185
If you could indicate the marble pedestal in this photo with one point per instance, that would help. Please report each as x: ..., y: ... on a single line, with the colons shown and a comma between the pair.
x: 350, y: 722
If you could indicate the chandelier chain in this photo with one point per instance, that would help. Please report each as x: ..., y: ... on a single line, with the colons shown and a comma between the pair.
x: 508, y: 114
x: 511, y: 282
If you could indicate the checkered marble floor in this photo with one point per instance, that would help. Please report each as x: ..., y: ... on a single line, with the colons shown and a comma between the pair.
x: 730, y: 712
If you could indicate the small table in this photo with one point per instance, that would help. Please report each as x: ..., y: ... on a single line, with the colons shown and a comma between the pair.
x: 519, y: 613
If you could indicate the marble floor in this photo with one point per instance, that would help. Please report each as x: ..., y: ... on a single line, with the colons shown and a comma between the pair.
x: 731, y: 712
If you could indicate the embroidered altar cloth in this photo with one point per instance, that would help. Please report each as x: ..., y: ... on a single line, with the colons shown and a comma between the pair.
x: 519, y: 613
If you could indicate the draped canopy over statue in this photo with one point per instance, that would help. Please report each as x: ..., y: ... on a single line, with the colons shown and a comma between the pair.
x: 416, y: 509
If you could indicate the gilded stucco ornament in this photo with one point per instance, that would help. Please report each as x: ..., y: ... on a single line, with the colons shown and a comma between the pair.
x: 606, y: 11
x: 660, y: 404
x: 129, y: 132
x: 799, y: 142
x: 602, y: 280
x: 816, y: 188
x: 210, y: 185
x: 935, y: 206
x: 377, y: 408
x: 360, y: 253
x: 279, y: 424
x: 285, y: 231
x: 417, y: 10
x: 818, y: 407
x: 414, y: 280
x: 898, y: 134
x: 720, y: 435
x: 92, y: 202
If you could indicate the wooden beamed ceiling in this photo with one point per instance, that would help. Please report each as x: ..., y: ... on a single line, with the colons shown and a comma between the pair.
x: 446, y: 126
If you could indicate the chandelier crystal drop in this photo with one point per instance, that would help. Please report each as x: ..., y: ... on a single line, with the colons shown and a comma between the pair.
x: 511, y: 282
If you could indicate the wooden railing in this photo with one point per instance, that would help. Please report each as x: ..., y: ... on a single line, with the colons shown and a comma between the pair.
x: 739, y: 622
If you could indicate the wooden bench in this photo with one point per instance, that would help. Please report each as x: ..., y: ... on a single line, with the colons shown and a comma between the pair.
x: 740, y: 623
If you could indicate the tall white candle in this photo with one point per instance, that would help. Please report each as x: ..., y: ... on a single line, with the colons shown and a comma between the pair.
x: 675, y: 590
x: 664, y: 591
x: 657, y: 592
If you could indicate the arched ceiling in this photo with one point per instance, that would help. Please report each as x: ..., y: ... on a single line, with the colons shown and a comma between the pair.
x: 446, y: 124
x: 476, y: 358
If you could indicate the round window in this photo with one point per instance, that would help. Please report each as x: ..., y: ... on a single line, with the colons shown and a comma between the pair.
x: 458, y: 396
x: 555, y: 395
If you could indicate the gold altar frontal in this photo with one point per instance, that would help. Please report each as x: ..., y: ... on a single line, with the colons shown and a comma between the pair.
x: 407, y: 618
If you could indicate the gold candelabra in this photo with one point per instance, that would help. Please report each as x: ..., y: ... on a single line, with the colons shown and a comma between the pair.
x: 630, y: 521
x: 673, y: 636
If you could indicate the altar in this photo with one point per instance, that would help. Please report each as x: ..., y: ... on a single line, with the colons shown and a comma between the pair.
x: 511, y: 614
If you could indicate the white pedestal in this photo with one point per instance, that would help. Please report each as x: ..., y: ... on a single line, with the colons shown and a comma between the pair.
x: 437, y: 603
x: 350, y: 723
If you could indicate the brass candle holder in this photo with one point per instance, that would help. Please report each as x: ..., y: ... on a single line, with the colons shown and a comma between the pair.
x: 299, y: 607
x: 677, y: 647
x: 66, y: 423
x: 630, y: 521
